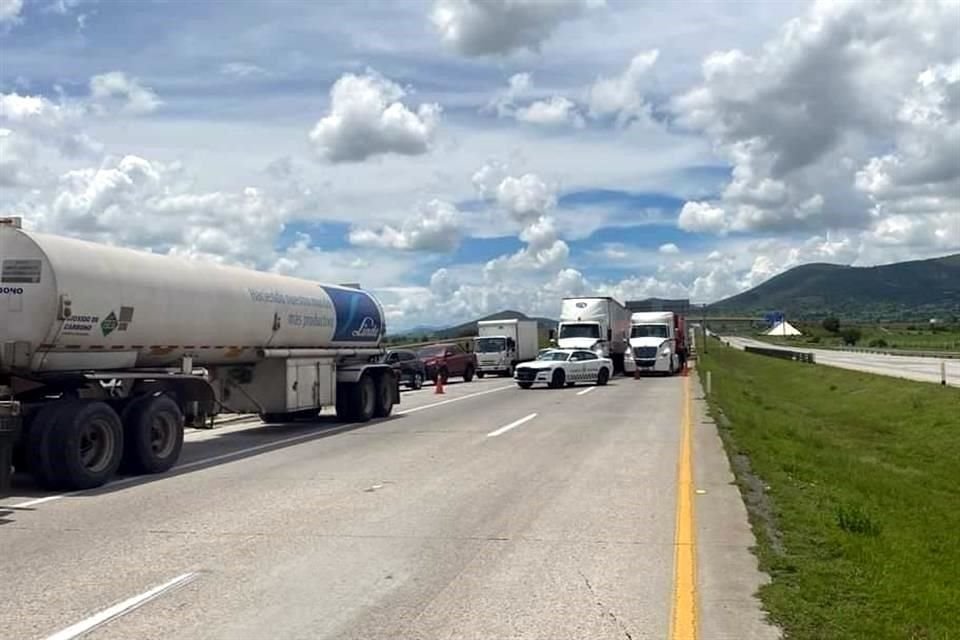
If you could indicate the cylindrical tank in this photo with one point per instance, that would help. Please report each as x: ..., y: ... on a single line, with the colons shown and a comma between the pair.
x: 69, y: 305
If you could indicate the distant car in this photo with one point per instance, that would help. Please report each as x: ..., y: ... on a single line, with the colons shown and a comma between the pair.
x: 449, y: 361
x: 559, y: 367
x: 407, y: 367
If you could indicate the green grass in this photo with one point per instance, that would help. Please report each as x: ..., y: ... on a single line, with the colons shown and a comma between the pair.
x: 858, y: 476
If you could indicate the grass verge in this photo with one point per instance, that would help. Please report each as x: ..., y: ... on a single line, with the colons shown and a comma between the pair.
x: 858, y: 513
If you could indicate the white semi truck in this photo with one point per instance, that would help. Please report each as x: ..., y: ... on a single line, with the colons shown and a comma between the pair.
x: 598, y: 324
x: 105, y: 353
x: 658, y: 341
x: 501, y: 344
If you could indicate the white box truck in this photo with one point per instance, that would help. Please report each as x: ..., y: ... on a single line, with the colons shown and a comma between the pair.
x: 658, y: 341
x: 105, y: 353
x: 501, y: 344
x: 598, y: 324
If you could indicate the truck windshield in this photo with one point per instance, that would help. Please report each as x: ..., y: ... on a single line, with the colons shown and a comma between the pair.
x: 491, y: 345
x: 579, y: 331
x: 649, y: 331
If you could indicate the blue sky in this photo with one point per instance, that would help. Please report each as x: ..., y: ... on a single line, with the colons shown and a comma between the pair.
x: 461, y: 156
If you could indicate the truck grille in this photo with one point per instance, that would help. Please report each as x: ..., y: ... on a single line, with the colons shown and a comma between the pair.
x: 645, y: 353
x: 645, y: 363
x: 526, y: 374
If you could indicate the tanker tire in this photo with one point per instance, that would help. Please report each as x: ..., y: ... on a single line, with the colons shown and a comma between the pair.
x: 153, y: 435
x: 363, y: 399
x: 37, y: 446
x: 385, y: 387
x: 87, y: 445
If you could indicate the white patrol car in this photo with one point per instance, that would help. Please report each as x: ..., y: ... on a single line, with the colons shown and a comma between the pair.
x: 559, y: 367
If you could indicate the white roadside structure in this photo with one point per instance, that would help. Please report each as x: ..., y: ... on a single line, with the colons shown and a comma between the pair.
x: 783, y: 328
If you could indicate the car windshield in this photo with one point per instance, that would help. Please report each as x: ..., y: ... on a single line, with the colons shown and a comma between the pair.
x: 491, y: 345
x: 580, y: 331
x: 431, y: 352
x: 555, y: 355
x: 649, y: 331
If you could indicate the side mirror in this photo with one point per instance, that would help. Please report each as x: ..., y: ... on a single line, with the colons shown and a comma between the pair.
x: 553, y: 335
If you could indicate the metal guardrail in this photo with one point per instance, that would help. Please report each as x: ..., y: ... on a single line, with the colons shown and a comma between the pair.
x: 784, y: 354
x: 919, y: 353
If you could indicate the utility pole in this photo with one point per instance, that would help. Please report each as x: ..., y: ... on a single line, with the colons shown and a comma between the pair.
x: 704, y: 327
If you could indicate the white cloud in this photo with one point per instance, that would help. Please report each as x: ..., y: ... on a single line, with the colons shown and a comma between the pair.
x: 702, y: 217
x: 367, y: 119
x: 526, y: 198
x: 10, y: 11
x: 843, y: 118
x: 134, y: 202
x: 669, y: 249
x: 498, y: 27
x: 242, y: 70
x: 436, y: 227
x: 623, y: 96
x: 117, y: 88
x: 18, y: 160
x: 554, y: 111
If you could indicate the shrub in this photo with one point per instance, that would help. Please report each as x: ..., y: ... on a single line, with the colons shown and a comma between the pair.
x: 831, y: 324
x: 878, y: 343
x: 851, y: 335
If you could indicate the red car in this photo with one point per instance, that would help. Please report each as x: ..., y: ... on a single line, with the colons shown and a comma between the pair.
x: 449, y: 360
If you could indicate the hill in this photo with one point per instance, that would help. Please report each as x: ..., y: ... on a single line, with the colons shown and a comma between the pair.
x: 470, y: 328
x: 903, y: 290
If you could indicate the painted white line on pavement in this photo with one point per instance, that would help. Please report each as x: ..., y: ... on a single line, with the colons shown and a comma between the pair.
x: 512, y: 425
x: 36, y: 501
x: 121, y: 608
x: 259, y: 447
x: 404, y: 412
x: 585, y: 391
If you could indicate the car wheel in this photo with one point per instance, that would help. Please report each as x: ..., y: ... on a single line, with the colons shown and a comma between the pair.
x: 480, y: 374
x: 417, y: 382
x: 559, y: 379
x: 603, y: 376
x: 468, y: 374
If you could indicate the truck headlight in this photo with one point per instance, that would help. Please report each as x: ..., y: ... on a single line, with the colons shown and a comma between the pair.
x: 665, y: 352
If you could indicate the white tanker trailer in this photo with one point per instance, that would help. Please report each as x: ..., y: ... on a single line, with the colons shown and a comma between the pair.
x: 105, y: 354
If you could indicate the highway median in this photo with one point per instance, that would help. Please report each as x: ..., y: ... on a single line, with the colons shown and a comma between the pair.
x: 852, y: 485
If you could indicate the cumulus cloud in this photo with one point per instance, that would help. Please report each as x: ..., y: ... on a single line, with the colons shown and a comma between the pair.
x: 18, y: 160
x: 669, y: 249
x: 132, y: 201
x: 10, y: 11
x: 702, y: 216
x: 554, y: 111
x: 847, y: 116
x: 127, y: 94
x: 526, y: 197
x: 436, y: 227
x: 498, y: 27
x: 623, y: 96
x: 367, y: 118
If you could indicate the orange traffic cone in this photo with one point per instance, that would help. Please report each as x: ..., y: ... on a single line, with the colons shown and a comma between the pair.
x: 438, y: 389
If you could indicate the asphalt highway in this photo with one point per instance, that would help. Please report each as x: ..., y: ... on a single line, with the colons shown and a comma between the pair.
x: 487, y: 512
x: 922, y: 369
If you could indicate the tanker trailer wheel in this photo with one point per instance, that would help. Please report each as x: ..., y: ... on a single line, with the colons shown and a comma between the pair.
x: 153, y: 435
x: 358, y: 400
x: 37, y: 448
x: 385, y: 390
x: 86, y: 445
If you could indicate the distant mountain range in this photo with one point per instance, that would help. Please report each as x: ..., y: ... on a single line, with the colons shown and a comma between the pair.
x: 470, y: 328
x: 902, y: 290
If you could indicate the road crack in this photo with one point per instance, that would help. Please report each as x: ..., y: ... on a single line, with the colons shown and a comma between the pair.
x: 606, y: 611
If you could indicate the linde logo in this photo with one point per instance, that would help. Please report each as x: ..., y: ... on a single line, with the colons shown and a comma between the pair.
x: 368, y: 329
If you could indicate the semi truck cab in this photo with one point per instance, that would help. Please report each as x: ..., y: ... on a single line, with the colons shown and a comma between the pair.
x: 654, y: 342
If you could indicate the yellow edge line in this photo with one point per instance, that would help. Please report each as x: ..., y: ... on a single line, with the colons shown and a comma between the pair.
x: 683, y: 619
